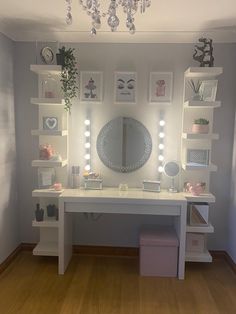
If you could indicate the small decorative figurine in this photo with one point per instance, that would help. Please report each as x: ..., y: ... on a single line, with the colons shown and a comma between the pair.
x: 39, y: 213
x: 204, y: 53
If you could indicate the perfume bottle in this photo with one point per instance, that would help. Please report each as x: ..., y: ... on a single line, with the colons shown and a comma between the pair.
x: 75, y: 177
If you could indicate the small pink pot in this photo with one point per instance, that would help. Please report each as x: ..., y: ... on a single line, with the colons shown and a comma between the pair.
x: 200, y: 128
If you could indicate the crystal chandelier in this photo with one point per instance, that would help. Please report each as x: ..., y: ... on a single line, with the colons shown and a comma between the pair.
x: 92, y: 7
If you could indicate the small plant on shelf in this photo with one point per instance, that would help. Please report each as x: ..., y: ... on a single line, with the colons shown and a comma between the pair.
x: 69, y: 75
x: 201, y: 121
x: 200, y: 125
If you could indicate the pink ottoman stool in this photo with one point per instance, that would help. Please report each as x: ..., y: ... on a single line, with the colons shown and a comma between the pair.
x: 158, y: 254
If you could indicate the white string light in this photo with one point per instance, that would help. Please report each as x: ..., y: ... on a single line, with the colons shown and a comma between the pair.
x: 87, y: 144
x: 161, y: 145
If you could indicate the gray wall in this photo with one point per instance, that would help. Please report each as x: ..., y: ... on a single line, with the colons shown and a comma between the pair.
x: 9, y: 214
x: 142, y: 58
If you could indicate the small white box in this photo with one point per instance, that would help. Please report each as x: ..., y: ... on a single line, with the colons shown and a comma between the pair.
x: 93, y: 184
x: 199, y: 214
x: 151, y: 186
x: 195, y: 242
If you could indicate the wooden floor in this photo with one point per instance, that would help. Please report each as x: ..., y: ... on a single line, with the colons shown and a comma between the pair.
x: 111, y: 285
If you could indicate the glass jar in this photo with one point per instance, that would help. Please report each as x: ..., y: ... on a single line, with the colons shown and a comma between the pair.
x: 49, y: 86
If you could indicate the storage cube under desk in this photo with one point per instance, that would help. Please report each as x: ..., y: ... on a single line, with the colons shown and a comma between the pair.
x: 158, y: 254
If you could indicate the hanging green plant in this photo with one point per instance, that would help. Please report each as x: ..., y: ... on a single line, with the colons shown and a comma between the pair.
x: 69, y: 75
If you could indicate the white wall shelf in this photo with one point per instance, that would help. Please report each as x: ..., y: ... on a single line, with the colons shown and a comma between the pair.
x: 46, y: 193
x: 42, y: 69
x: 46, y: 249
x: 197, y: 104
x: 202, y: 198
x: 204, y: 257
x: 47, y: 101
x: 49, y: 133
x: 200, y: 229
x: 45, y: 224
x: 49, y: 163
x: 210, y: 167
x: 200, y: 136
x: 203, y: 72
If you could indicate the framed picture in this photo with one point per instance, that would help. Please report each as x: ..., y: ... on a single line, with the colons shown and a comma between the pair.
x: 46, y: 177
x: 50, y: 123
x: 198, y: 157
x: 208, y: 90
x: 160, y: 87
x: 125, y: 87
x: 91, y: 86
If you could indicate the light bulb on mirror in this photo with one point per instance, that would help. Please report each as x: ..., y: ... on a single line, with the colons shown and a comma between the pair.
x: 87, y: 156
x: 160, y: 169
x: 87, y: 122
x: 162, y: 123
x: 87, y: 133
x: 87, y: 145
x: 87, y: 168
x: 161, y: 158
x: 161, y: 146
x: 161, y: 134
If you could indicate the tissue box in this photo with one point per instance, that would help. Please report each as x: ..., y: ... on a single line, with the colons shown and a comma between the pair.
x: 151, y: 186
x: 93, y: 184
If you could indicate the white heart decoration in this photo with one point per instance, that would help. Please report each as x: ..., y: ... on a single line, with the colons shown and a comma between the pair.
x: 51, y: 123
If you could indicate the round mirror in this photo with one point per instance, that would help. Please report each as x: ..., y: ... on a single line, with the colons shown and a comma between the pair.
x: 172, y: 169
x: 124, y: 144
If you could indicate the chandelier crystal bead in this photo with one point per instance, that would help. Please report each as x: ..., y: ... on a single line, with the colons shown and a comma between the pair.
x: 130, y: 8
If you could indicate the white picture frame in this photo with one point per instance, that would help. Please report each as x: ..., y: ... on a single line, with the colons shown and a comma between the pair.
x: 198, y: 157
x: 208, y: 90
x: 46, y: 177
x: 160, y: 87
x: 91, y: 86
x: 50, y: 123
x: 125, y: 87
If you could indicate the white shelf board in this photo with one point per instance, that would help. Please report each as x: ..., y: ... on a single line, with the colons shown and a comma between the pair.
x: 203, y: 72
x: 210, y: 167
x: 201, y: 104
x: 47, y: 101
x: 46, y: 69
x: 46, y: 193
x: 45, y: 224
x: 49, y: 132
x: 200, y: 229
x: 49, y: 163
x: 202, y: 198
x: 204, y: 257
x: 46, y: 249
x: 200, y: 136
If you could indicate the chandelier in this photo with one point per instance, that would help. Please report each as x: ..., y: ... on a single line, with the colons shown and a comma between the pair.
x: 92, y: 7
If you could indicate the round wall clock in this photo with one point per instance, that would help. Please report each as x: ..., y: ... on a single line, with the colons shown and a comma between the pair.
x: 47, y: 55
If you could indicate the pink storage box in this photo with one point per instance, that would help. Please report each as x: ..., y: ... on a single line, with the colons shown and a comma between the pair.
x: 158, y: 254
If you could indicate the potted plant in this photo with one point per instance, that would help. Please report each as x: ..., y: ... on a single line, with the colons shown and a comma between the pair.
x: 200, y: 125
x: 195, y: 86
x: 69, y: 75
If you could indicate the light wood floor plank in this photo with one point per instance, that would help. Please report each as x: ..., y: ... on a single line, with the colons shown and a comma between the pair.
x: 112, y: 285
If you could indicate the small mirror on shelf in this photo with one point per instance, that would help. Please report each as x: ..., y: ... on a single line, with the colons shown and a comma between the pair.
x: 172, y: 169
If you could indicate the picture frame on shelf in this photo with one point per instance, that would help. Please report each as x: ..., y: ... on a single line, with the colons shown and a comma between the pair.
x: 46, y: 177
x: 91, y: 86
x: 50, y: 123
x: 198, y: 157
x: 160, y: 87
x: 125, y: 84
x: 208, y: 90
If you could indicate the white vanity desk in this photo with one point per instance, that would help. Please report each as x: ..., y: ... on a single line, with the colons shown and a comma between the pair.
x: 113, y: 201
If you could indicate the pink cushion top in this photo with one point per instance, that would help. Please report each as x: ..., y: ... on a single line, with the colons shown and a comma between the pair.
x: 158, y: 236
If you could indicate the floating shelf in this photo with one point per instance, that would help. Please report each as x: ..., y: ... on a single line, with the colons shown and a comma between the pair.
x: 210, y: 167
x: 49, y: 163
x: 49, y: 132
x: 46, y: 193
x: 45, y: 224
x: 47, y: 101
x: 200, y: 229
x: 46, y: 69
x: 200, y: 136
x: 46, y: 249
x: 202, y: 198
x: 203, y: 72
x: 196, y: 104
x: 204, y: 257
